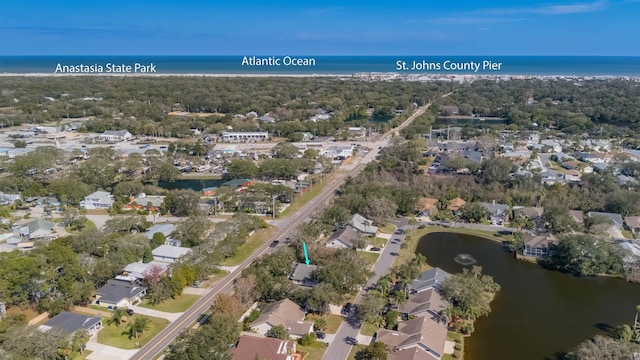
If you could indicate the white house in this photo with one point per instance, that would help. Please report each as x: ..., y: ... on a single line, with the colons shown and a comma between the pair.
x: 97, y: 200
x: 168, y: 253
x: 111, y: 135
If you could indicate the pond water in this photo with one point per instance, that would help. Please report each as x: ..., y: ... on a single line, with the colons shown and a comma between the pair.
x: 538, y: 314
x: 193, y: 184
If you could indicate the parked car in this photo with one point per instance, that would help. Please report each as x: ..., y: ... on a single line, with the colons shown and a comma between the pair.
x: 129, y: 312
x: 346, y: 309
x: 320, y: 335
x: 375, y: 249
x: 274, y: 243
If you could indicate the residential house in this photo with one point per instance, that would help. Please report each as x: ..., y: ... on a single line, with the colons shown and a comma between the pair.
x: 615, y: 219
x: 70, y: 322
x: 253, y: 347
x: 631, y: 250
x: 422, y: 333
x: 532, y: 213
x: 166, y: 230
x: 538, y: 245
x: 286, y: 313
x: 473, y: 156
x: 117, y: 293
x: 633, y: 223
x: 38, y: 229
x: 301, y: 275
x: 363, y: 225
x: 168, y: 253
x: 456, y: 204
x: 624, y: 180
x: 600, y: 167
x: 267, y: 119
x: 345, y: 238
x: 113, y: 136
x: 550, y: 177
x: 590, y: 158
x: 572, y: 176
x: 427, y: 206
x: 97, y: 200
x: 428, y: 301
x: 140, y: 270
x: 146, y: 202
x: 209, y: 191
x: 497, y: 212
x: 357, y: 132
x: 9, y: 199
x: 429, y: 279
x: 245, y: 136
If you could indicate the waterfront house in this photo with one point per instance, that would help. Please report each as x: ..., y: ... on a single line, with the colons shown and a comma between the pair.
x: 456, y: 204
x: 577, y: 216
x: 425, y: 302
x: 286, y: 313
x: 424, y: 334
x: 70, y: 322
x: 429, y: 279
x: 118, y: 293
x: 427, y: 206
x: 615, y: 219
x: 538, y: 245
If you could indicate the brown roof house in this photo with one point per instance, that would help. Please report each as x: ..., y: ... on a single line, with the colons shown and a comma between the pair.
x: 286, y: 313
x: 253, y: 347
x: 424, y: 302
x: 428, y: 206
x: 538, y: 245
x: 633, y: 223
x: 422, y: 333
x: 456, y: 204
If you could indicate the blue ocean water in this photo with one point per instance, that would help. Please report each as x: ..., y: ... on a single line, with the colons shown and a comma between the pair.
x: 292, y: 65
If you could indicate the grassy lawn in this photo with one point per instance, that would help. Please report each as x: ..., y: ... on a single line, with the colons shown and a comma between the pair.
x: 88, y: 224
x: 214, y: 277
x: 369, y: 256
x: 627, y: 234
x: 179, y: 304
x: 333, y: 322
x: 368, y: 329
x: 250, y: 245
x: 28, y: 312
x: 454, y: 336
x: 314, y: 351
x: 118, y: 335
x: 354, y: 350
x: 387, y: 229
x: 379, y: 242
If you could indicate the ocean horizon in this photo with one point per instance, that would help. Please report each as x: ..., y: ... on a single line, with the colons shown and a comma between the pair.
x: 618, y: 66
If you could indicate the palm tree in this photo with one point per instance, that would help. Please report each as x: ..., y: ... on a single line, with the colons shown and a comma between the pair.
x: 116, y: 317
x: 138, y: 326
x: 624, y: 332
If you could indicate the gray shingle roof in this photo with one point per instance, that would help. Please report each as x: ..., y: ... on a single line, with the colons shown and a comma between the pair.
x: 72, y: 322
x: 114, y: 291
x: 428, y: 279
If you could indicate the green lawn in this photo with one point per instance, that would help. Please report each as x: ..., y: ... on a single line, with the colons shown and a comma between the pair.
x: 387, y: 229
x: 369, y: 256
x: 627, y: 234
x: 368, y: 329
x: 179, y: 304
x: 354, y: 350
x: 379, y: 242
x: 453, y: 336
x: 118, y: 336
x: 250, y: 245
x: 88, y: 224
x: 333, y: 322
x: 216, y: 275
x: 314, y: 351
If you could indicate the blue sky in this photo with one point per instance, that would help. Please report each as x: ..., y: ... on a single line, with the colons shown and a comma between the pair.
x: 189, y: 27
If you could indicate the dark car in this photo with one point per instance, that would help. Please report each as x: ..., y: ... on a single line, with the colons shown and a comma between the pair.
x: 375, y: 249
x: 129, y: 312
x: 346, y: 309
x: 320, y: 334
x: 274, y: 243
x: 399, y: 232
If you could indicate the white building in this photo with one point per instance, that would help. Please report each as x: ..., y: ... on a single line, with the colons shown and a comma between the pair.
x: 111, y: 135
x: 168, y: 253
x: 97, y: 200
x: 248, y: 135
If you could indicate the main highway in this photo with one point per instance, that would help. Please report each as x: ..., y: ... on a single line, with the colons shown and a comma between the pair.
x: 286, y: 228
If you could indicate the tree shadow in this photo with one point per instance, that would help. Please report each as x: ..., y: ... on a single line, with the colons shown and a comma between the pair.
x: 606, y: 328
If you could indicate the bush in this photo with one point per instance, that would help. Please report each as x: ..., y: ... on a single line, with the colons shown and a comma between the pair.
x: 422, y: 226
x: 458, y: 347
x: 307, y: 339
x: 457, y: 340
